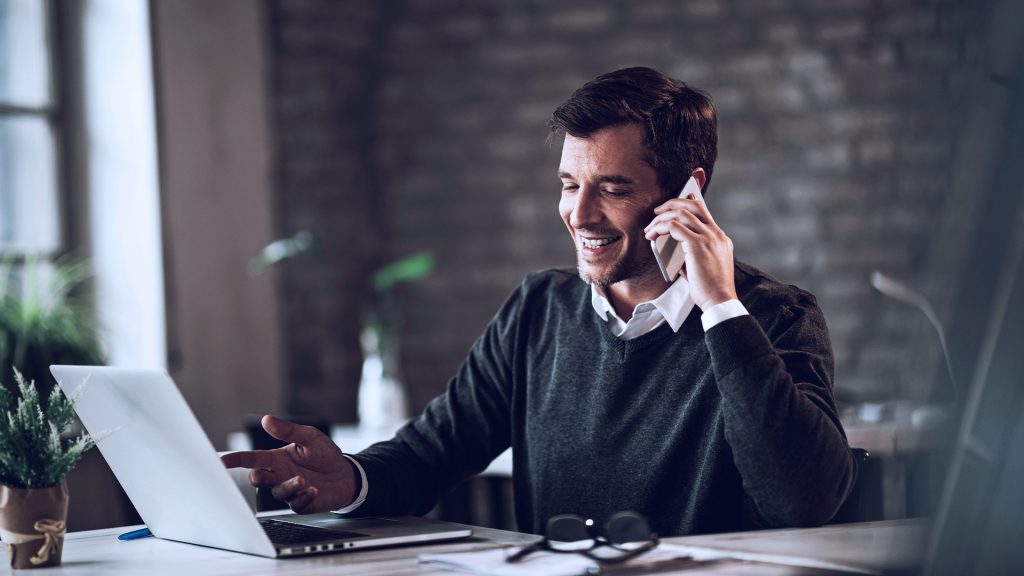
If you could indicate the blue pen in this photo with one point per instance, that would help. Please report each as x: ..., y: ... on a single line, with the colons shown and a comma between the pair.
x: 135, y: 534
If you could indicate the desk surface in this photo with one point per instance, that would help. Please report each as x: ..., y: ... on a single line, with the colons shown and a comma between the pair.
x: 893, y: 546
x: 874, y: 546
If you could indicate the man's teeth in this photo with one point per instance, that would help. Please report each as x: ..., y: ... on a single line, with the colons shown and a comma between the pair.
x: 598, y: 242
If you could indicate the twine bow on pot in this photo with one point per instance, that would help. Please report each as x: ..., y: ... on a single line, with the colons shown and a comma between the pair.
x: 48, y: 530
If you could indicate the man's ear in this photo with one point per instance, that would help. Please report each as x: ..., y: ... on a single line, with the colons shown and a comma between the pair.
x: 700, y: 176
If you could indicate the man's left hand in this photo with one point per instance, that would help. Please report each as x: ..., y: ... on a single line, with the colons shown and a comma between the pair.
x: 709, y: 262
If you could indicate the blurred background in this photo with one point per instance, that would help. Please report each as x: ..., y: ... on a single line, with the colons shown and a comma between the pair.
x: 167, y: 143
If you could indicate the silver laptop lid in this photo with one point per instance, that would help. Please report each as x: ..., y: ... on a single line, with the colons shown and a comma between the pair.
x: 162, y: 458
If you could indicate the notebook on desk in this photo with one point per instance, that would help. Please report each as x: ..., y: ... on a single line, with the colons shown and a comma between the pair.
x: 171, y: 473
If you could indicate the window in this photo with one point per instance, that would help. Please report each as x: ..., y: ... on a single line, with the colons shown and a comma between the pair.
x: 29, y: 131
x: 78, y: 159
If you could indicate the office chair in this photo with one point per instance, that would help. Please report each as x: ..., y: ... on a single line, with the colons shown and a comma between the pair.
x: 864, y: 502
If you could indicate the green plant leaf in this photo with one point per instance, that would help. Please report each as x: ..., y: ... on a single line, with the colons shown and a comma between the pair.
x: 413, y: 267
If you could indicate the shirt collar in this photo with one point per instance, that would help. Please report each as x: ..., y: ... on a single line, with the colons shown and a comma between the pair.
x: 674, y: 304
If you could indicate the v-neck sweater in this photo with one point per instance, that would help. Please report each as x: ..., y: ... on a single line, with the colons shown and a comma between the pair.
x: 731, y: 429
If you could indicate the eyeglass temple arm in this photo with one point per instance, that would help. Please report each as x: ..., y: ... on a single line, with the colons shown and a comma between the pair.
x: 524, y: 551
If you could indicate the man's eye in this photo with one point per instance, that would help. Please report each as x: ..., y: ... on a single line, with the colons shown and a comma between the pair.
x: 569, y: 187
x: 616, y: 192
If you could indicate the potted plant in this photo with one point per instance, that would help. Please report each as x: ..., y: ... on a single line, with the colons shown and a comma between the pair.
x: 35, y: 456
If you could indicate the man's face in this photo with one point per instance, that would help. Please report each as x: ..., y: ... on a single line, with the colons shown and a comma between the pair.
x: 608, y: 196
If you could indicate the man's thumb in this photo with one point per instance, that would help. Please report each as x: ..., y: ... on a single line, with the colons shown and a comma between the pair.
x: 286, y: 431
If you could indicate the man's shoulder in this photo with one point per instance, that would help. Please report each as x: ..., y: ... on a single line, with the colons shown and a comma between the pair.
x: 761, y: 292
x: 551, y: 291
x: 552, y: 279
x: 543, y: 296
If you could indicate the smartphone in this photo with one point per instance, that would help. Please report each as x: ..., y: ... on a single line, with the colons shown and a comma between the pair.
x: 667, y: 250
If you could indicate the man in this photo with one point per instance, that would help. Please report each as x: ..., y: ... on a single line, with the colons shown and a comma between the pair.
x: 704, y: 404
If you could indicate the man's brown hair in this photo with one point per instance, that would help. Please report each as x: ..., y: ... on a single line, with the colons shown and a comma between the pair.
x: 680, y: 123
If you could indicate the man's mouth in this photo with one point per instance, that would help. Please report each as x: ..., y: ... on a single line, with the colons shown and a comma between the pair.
x: 595, y: 243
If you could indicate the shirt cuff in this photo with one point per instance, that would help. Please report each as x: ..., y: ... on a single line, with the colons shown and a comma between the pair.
x: 361, y: 497
x: 721, y: 312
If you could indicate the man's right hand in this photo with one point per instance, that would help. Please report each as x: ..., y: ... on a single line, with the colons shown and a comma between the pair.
x: 310, y: 474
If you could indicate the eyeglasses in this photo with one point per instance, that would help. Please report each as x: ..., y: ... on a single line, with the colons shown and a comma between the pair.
x: 626, y: 532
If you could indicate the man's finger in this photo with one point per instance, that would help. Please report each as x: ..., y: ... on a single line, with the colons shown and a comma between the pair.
x: 249, y: 459
x: 683, y: 228
x: 688, y: 204
x: 263, y: 477
x: 286, y: 431
x: 691, y: 220
x: 302, y: 503
x: 703, y: 212
x: 289, y: 489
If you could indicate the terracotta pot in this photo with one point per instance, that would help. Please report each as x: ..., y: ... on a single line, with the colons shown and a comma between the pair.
x: 32, y: 524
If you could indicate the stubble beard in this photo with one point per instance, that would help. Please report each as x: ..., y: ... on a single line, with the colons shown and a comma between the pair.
x: 628, y: 268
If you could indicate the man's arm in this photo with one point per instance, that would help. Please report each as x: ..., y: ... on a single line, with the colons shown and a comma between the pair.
x: 458, y: 435
x: 775, y: 380
x: 780, y: 418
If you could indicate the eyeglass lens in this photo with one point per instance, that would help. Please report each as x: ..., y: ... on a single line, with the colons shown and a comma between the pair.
x: 570, y: 532
x: 626, y: 527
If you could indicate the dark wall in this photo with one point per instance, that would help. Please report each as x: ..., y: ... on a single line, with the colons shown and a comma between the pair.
x: 420, y: 125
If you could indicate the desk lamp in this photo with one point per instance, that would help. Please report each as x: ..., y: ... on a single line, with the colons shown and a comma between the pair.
x: 899, y: 291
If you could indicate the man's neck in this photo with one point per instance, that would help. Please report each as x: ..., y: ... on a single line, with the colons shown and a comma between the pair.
x: 624, y: 296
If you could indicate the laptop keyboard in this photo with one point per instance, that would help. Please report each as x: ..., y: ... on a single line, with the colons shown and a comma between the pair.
x: 286, y: 533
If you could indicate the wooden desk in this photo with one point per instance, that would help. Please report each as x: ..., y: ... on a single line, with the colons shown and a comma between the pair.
x: 891, y: 547
x: 878, y: 546
x: 99, y: 552
x: 896, y: 439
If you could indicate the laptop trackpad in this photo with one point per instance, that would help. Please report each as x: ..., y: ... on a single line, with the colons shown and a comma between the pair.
x: 336, y: 523
x: 333, y: 522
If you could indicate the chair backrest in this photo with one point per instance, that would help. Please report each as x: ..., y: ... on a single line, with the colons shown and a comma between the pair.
x: 864, y: 502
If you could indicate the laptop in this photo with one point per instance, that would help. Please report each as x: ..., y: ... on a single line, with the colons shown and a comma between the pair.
x: 170, y: 471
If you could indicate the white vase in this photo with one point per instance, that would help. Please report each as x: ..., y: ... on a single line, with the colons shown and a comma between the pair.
x: 382, y: 402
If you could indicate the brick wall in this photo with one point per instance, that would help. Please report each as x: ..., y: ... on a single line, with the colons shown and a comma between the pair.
x: 420, y: 125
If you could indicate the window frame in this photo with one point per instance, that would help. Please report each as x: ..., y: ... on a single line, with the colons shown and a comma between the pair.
x: 56, y: 117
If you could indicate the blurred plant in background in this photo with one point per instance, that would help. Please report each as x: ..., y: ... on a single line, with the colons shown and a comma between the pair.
x: 282, y: 250
x: 42, y: 323
x: 383, y: 318
x: 383, y: 401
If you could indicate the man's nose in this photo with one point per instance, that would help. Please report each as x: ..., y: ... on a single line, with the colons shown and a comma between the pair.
x: 587, y: 210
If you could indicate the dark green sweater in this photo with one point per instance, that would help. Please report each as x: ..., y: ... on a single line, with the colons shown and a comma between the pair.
x: 730, y: 430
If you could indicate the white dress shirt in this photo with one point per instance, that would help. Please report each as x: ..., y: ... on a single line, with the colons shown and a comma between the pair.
x: 673, y: 306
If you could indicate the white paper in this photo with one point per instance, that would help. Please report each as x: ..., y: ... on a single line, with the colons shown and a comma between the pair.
x: 492, y: 562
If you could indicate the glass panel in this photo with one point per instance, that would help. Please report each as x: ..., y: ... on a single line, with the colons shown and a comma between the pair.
x: 29, y: 221
x: 24, y: 59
